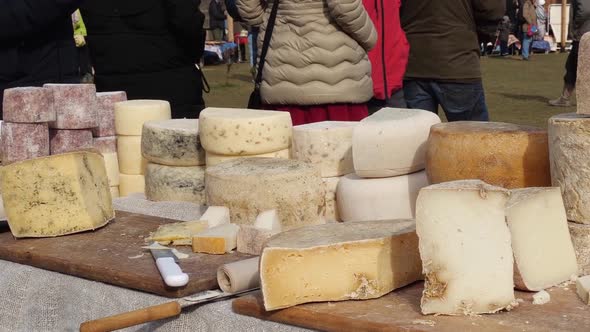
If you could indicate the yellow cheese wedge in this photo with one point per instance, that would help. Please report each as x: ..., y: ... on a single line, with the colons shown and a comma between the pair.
x: 178, y: 234
x: 217, y: 240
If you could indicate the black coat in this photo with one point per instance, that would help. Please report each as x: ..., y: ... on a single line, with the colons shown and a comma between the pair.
x: 148, y: 48
x: 36, y: 43
x: 216, y: 15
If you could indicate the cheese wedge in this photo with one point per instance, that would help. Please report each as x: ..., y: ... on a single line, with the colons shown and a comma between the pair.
x: 178, y: 234
x: 583, y: 289
x: 217, y: 240
x: 215, y: 216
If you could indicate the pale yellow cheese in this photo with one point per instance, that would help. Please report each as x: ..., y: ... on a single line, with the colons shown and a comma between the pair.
x: 112, y: 165
x: 217, y: 240
x: 132, y: 114
x: 129, y: 184
x: 131, y: 161
x: 115, y: 192
x: 213, y: 159
x: 174, y: 183
x: 583, y: 289
x: 178, y: 234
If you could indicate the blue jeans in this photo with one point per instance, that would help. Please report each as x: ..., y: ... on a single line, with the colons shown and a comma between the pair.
x: 526, y: 45
x: 459, y: 101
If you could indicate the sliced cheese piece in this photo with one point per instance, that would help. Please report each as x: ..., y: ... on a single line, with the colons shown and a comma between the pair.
x: 362, y: 199
x: 268, y: 220
x: 132, y: 114
x: 115, y: 192
x: 112, y: 165
x: 391, y: 142
x: 331, y: 186
x: 581, y: 240
x: 327, y: 144
x: 105, y: 112
x: 339, y: 261
x: 541, y: 297
x: 583, y: 289
x: 251, y: 240
x: 131, y: 184
x: 216, y: 215
x: 502, y: 154
x: 178, y: 234
x: 465, y: 248
x: 238, y: 132
x: 252, y: 185
x: 543, y: 252
x: 217, y: 240
x: 28, y: 105
x: 57, y: 195
x: 70, y: 140
x: 21, y: 141
x: 170, y: 183
x: 75, y: 106
x: 583, y: 78
x: 105, y: 144
x: 172, y: 142
x: 130, y: 159
x: 215, y: 159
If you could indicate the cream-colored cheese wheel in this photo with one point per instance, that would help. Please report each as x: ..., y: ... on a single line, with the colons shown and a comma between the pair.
x: 175, y: 183
x: 173, y: 142
x: 130, y: 184
x: 131, y: 161
x: 331, y: 186
x: 115, y: 192
x: 132, y: 114
x: 112, y: 164
x: 214, y: 159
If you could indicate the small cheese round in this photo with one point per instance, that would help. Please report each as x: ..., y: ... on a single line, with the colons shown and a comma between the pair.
x: 172, y: 142
x: 22, y: 141
x: 214, y: 159
x: 75, y: 106
x: 69, y: 140
x: 130, y: 159
x: 105, y: 144
x: 175, y: 183
x: 130, y: 184
x: 106, y: 112
x: 132, y: 114
x: 28, y: 105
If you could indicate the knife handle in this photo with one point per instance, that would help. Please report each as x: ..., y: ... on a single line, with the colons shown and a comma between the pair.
x: 132, y: 318
x: 171, y: 272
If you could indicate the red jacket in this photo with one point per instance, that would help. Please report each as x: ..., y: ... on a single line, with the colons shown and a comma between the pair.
x: 392, y: 49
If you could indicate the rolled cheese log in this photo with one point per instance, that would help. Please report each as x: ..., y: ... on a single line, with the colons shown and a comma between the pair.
x: 107, y: 144
x: 75, y: 106
x: 132, y: 114
x: 583, y: 80
x: 28, y: 105
x: 173, y: 183
x: 239, y: 276
x: 69, y: 140
x: 22, y: 141
x: 172, y: 142
x: 213, y: 159
x: 106, y: 112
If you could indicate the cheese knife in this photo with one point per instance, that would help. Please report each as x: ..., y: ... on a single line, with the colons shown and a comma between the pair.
x: 167, y: 264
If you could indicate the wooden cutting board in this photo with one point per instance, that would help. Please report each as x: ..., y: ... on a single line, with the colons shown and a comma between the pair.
x: 400, y: 311
x: 113, y: 255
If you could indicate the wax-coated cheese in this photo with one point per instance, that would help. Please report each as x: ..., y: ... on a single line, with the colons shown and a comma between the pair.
x: 105, y: 112
x: 69, y: 140
x: 115, y: 192
x: 465, y: 248
x: 216, y: 215
x: 581, y: 240
x: 112, y: 165
x: 171, y: 183
x: 583, y: 289
x: 583, y: 75
x: 57, y: 195
x: 28, y: 105
x: 217, y: 240
x: 173, y: 142
x: 75, y: 106
x: 214, y: 159
x: 130, y: 184
x: 132, y: 114
x: 360, y: 199
x: 391, y: 142
x: 131, y: 160
x: 331, y: 186
x: 569, y: 138
x: 543, y: 252
x: 501, y: 154
x: 105, y: 144
x: 22, y: 141
x: 252, y: 185
x: 237, y: 132
x: 328, y: 145
x: 178, y: 234
x: 339, y: 261
x: 251, y: 240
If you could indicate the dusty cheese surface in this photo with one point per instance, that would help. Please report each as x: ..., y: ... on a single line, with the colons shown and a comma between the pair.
x: 75, y: 106
x: 213, y: 159
x: 28, y: 105
x: 580, y: 234
x: 106, y: 112
x: 21, y: 141
x: 171, y: 183
x: 172, y: 142
x: 69, y: 140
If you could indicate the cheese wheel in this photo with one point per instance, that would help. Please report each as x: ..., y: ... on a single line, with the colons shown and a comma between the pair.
x: 173, y: 142
x: 69, y: 140
x: 112, y: 165
x: 22, y: 141
x: 28, y: 105
x: 105, y: 144
x: 569, y: 138
x: 131, y: 184
x: 131, y: 115
x: 173, y: 183
x: 361, y: 199
x: 252, y: 185
x: 583, y: 80
x: 391, y: 142
x: 330, y: 186
x: 75, y: 106
x: 106, y: 112
x: 501, y: 154
x: 581, y: 240
x: 115, y: 192
x: 213, y: 159
x: 130, y: 159
x: 238, y: 132
x: 328, y: 145
x: 2, y: 212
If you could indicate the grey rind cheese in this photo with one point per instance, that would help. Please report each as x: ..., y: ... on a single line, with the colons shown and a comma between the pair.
x: 173, y: 142
x: 173, y: 183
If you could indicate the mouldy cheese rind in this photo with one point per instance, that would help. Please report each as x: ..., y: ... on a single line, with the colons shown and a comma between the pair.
x: 28, y: 105
x: 170, y: 183
x: 173, y: 142
x: 75, y: 106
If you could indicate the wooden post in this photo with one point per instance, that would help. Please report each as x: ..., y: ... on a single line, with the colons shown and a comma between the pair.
x: 230, y: 28
x: 564, y: 25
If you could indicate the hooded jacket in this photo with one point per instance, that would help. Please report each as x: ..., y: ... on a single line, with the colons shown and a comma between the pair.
x: 580, y: 18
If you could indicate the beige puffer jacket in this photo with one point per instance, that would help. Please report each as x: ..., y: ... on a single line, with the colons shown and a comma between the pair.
x: 318, y: 51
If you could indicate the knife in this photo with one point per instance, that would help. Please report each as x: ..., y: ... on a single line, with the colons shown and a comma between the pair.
x: 167, y: 264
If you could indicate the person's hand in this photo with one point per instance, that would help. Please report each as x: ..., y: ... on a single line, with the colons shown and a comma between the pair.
x: 80, y: 41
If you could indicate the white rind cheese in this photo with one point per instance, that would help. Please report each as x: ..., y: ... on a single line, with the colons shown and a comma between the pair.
x: 131, y: 184
x: 581, y: 240
x: 583, y: 289
x: 170, y: 183
x: 132, y: 114
x: 172, y: 142
x: 331, y: 186
x: 216, y: 215
x: 251, y: 240
x: 130, y: 159
x: 215, y: 159
x: 268, y: 220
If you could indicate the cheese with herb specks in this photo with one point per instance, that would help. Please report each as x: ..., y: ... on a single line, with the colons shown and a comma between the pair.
x: 173, y: 183
x: 172, y: 142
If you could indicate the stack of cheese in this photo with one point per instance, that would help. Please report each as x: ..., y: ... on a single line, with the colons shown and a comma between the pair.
x: 388, y: 151
x: 175, y: 169
x: 129, y: 119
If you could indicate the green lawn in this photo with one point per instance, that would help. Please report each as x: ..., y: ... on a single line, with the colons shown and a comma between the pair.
x: 516, y: 91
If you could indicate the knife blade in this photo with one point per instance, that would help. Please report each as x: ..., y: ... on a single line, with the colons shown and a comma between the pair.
x: 167, y: 264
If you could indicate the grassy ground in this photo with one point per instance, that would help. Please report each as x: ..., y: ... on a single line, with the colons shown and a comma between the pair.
x: 516, y: 91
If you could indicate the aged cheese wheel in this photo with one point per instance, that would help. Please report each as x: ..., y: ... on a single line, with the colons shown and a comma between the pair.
x: 28, y: 105
x: 75, y: 106
x: 581, y: 241
x: 131, y: 184
x: 130, y: 159
x: 132, y: 114
x: 114, y: 192
x: 237, y: 132
x: 105, y: 144
x: 69, y: 140
x: 252, y: 185
x: 111, y: 162
x: 22, y: 141
x: 174, y: 183
x: 106, y: 112
x: 173, y: 142
x: 583, y: 80
x: 214, y: 159
x: 501, y: 154
x: 330, y: 186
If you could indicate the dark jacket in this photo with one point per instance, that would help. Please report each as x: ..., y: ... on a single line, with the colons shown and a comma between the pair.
x: 148, y: 48
x: 216, y: 15
x: 580, y: 18
x: 443, y: 36
x: 36, y: 43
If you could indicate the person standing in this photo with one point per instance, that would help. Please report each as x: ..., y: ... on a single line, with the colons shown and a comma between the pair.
x: 504, y: 35
x: 443, y: 67
x: 85, y: 68
x: 217, y: 20
x: 529, y: 27
x: 541, y: 20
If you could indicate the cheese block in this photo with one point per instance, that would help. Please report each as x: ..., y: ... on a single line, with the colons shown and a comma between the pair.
x: 268, y: 220
x: 581, y: 240
x: 465, y: 248
x: 131, y: 160
x: 75, y: 106
x: 106, y: 112
x: 216, y: 215
x: 251, y: 240
x: 69, y: 140
x: 105, y: 144
x: 391, y: 142
x: 112, y: 165
x: 215, y: 159
x: 172, y: 142
x: 331, y: 186
x: 22, y: 141
x: 339, y: 261
x: 130, y: 184
x: 543, y: 252
x: 583, y: 289
x: 28, y: 105
x: 237, y: 132
x: 327, y: 144
x: 57, y: 195
x: 569, y: 137
x: 217, y: 240
x: 362, y: 199
x: 252, y: 185
x: 2, y: 212
x: 501, y: 154
x: 132, y: 114
x: 583, y: 78
x: 178, y: 234
x: 115, y: 192
x: 170, y: 183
